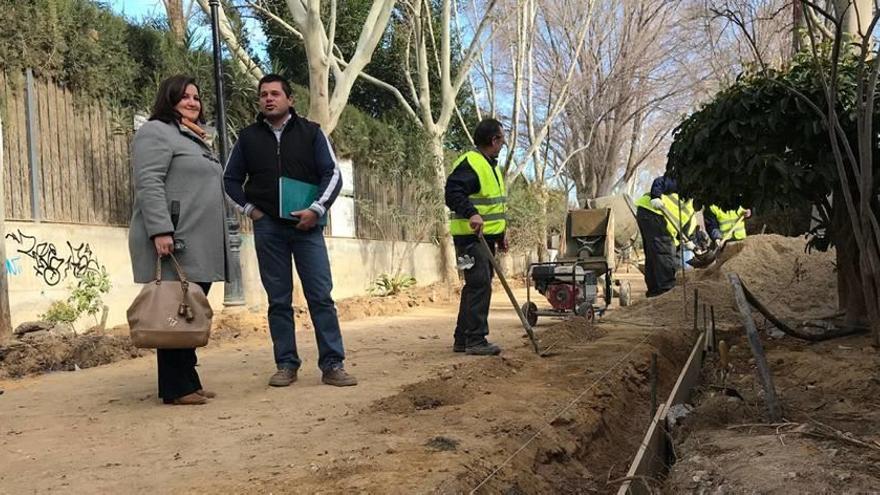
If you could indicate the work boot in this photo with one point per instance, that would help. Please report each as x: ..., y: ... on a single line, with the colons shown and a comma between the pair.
x: 484, y: 348
x: 458, y: 347
x: 338, y: 377
x: 283, y: 377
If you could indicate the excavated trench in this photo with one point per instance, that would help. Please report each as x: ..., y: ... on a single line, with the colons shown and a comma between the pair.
x: 589, y: 433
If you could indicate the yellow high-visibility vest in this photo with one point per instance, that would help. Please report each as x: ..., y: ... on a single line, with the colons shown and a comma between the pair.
x: 731, y: 223
x: 490, y: 201
x: 677, y: 209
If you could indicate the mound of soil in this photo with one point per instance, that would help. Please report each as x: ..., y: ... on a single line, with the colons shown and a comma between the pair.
x: 53, y: 352
x: 795, y: 285
x: 454, y: 386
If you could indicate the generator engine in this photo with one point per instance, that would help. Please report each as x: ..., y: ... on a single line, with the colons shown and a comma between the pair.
x: 562, y: 296
x: 565, y: 287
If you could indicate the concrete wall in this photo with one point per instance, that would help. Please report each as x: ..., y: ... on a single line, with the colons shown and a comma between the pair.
x: 44, y: 260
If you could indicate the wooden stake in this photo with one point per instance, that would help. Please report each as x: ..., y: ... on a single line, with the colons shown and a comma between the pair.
x: 773, y: 408
x: 705, y: 330
x: 713, y: 342
x: 705, y: 318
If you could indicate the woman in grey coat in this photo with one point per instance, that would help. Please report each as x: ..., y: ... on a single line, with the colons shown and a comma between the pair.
x: 178, y: 208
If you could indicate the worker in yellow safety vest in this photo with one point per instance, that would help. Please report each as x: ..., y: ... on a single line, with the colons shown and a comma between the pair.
x: 477, y: 199
x: 664, y: 222
x: 726, y: 225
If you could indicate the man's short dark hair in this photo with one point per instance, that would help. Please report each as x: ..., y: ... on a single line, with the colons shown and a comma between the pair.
x: 170, y: 93
x: 270, y: 78
x: 486, y: 131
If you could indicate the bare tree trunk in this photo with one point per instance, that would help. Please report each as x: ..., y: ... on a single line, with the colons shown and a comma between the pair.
x: 798, y: 24
x: 447, y: 250
x: 543, y: 255
x: 850, y: 296
x: 857, y: 15
x: 326, y: 106
x: 319, y: 92
x: 5, y: 315
x: 176, y: 20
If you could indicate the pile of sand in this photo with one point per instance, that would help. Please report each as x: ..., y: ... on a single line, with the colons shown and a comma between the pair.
x: 794, y: 284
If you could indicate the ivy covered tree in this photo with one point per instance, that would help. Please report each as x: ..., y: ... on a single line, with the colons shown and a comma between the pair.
x: 764, y: 142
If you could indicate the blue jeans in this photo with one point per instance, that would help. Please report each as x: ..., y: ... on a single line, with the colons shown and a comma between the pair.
x: 275, y: 242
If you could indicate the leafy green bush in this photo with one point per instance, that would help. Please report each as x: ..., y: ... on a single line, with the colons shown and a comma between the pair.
x: 85, y: 298
x: 60, y: 312
x: 76, y: 42
x: 759, y: 144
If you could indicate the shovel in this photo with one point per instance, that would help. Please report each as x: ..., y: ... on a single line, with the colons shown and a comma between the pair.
x: 522, y: 317
x: 700, y: 260
x: 709, y: 257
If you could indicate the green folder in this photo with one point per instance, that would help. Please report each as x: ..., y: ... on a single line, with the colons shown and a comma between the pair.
x: 295, y: 195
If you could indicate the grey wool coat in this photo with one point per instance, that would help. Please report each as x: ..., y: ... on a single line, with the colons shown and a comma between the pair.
x: 171, y: 163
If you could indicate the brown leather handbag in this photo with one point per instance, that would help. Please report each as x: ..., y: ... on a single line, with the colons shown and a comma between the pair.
x: 170, y: 314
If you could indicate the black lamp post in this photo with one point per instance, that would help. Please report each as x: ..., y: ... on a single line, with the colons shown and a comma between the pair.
x: 233, y: 291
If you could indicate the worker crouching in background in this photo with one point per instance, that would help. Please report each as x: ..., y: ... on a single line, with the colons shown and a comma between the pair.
x: 726, y: 225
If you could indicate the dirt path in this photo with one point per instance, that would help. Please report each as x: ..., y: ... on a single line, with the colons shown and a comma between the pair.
x: 102, y: 430
x: 423, y: 420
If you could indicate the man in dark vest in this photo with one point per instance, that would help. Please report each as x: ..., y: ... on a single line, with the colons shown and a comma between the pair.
x: 282, y: 147
x: 476, y: 195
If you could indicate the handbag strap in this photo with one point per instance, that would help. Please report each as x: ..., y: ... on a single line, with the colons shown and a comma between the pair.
x: 177, y: 268
x: 184, y: 308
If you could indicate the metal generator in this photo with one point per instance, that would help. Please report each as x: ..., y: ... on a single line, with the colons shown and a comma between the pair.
x: 571, y: 284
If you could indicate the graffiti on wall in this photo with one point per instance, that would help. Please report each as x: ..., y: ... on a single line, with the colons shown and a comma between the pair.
x: 53, y: 265
x: 13, y: 267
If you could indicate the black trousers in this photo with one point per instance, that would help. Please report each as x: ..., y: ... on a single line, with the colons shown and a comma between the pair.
x: 661, y: 260
x: 472, y: 325
x: 177, y: 368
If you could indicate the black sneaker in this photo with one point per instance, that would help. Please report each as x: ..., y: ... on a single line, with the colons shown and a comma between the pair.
x: 483, y: 349
x: 458, y: 347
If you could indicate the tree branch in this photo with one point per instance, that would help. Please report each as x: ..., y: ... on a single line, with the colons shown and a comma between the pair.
x: 242, y: 58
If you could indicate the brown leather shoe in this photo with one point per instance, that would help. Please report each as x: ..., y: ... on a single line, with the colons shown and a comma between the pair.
x: 338, y: 377
x: 283, y: 377
x: 206, y: 393
x: 193, y: 399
